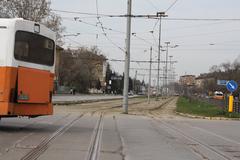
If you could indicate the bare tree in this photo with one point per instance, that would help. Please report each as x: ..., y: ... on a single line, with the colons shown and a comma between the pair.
x: 33, y: 10
x: 54, y: 22
x: 226, y: 67
x: 81, y: 69
x: 214, y: 68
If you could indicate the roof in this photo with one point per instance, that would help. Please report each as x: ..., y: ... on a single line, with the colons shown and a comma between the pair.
x: 188, y: 76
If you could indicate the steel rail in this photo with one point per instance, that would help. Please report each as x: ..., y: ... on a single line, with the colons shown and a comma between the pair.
x: 192, y: 139
x: 95, y: 144
x: 43, y: 146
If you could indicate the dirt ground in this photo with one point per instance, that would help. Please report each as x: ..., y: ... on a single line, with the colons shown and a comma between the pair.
x: 164, y: 107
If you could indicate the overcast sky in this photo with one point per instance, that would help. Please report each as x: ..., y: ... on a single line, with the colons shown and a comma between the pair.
x: 201, y: 43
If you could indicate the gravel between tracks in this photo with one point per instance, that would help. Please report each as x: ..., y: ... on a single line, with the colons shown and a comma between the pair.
x: 137, y: 106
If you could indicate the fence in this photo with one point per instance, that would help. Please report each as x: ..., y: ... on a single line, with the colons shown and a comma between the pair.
x: 236, y: 106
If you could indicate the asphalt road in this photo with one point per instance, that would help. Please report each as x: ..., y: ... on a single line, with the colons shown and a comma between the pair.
x: 86, y: 136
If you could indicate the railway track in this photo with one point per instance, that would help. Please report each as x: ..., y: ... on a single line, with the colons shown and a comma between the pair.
x: 111, y: 107
x: 120, y: 151
x: 179, y: 134
x: 43, y: 146
x: 193, y: 143
x: 98, y: 107
x: 95, y: 143
x: 34, y: 124
x: 94, y: 150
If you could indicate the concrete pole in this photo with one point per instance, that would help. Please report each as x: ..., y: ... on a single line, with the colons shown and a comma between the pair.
x: 171, y: 69
x: 166, y: 72
x: 135, y: 80
x: 171, y: 75
x: 159, y: 14
x: 150, y: 76
x: 127, y: 58
x: 159, y: 53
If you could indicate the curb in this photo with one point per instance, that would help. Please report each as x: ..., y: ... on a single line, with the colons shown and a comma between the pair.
x: 208, y: 118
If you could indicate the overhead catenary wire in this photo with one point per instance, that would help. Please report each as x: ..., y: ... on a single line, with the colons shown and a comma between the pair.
x: 144, y: 40
x: 104, y: 33
x: 192, y: 19
x: 77, y: 12
x: 171, y: 6
x: 110, y: 29
x: 155, y: 25
x: 204, y: 34
x: 121, y: 60
x: 103, y: 29
x: 152, y: 4
x: 145, y: 16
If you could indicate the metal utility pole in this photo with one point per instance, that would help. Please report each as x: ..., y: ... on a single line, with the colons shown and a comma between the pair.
x: 159, y: 14
x: 150, y: 76
x: 166, y: 72
x: 127, y: 58
x: 171, y: 70
x: 134, y: 85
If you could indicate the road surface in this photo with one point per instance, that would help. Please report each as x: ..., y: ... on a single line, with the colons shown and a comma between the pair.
x: 98, y: 131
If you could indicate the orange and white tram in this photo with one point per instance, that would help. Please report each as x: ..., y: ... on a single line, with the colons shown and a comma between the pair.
x: 27, y: 51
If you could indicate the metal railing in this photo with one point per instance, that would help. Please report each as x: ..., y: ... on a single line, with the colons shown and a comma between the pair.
x: 236, y: 106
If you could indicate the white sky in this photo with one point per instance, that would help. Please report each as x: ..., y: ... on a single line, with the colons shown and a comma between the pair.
x: 194, y: 54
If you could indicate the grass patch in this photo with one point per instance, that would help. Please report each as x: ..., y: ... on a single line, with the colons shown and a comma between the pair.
x: 196, y: 107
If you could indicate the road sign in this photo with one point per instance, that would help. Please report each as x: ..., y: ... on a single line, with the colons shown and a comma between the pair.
x: 222, y: 82
x: 232, y: 86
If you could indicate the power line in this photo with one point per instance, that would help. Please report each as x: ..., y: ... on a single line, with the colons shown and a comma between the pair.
x: 104, y: 33
x: 153, y: 5
x: 155, y: 25
x: 77, y: 12
x: 146, y: 16
x: 154, y: 38
x: 139, y: 61
x: 171, y: 5
x: 103, y: 30
x: 101, y: 27
x: 193, y: 19
x: 194, y: 26
x: 144, y: 40
x: 204, y: 34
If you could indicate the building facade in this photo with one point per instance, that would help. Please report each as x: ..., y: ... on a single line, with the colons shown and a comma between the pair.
x: 187, y: 80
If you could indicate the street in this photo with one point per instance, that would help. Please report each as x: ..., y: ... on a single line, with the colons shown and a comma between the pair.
x: 99, y: 131
x: 119, y: 80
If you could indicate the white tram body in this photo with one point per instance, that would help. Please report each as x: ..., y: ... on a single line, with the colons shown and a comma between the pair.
x: 27, y: 54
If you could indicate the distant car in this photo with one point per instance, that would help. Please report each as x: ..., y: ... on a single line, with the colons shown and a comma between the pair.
x: 130, y: 93
x: 176, y: 94
x: 218, y: 95
x: 154, y: 93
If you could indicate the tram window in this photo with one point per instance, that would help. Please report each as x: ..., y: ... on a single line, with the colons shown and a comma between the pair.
x: 34, y: 48
x: 21, y: 49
